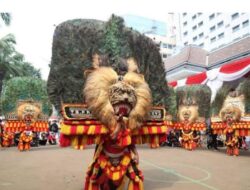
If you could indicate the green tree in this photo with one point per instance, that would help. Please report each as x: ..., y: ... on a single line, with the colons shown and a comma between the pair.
x: 6, y: 17
x: 6, y: 57
x: 12, y: 63
x: 23, y: 88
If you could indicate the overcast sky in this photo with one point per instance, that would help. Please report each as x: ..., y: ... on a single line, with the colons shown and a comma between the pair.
x: 33, y: 21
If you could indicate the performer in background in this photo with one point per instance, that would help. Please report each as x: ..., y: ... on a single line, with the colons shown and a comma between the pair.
x: 193, y: 108
x: 8, y: 139
x: 26, y: 136
x: 229, y: 115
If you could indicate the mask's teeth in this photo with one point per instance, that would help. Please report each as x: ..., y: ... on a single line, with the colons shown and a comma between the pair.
x: 116, y: 109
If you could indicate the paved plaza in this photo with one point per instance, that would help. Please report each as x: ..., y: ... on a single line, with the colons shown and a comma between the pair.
x: 166, y: 168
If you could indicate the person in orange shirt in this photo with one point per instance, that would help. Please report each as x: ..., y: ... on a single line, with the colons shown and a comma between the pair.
x: 26, y: 136
x: 7, y: 139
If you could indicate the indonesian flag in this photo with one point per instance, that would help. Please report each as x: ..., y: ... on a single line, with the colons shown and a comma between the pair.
x: 215, y: 77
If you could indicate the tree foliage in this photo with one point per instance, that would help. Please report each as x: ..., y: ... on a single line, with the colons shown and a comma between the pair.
x: 24, y: 88
x: 245, y: 90
x: 6, y: 17
x: 12, y: 63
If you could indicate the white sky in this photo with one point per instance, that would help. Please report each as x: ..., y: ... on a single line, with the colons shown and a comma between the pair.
x: 33, y: 21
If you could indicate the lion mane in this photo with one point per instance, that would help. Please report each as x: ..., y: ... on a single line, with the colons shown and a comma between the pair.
x: 28, y: 107
x: 230, y: 111
x: 97, y: 93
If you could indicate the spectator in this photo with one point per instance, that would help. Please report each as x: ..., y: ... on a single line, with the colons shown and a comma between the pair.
x: 53, y: 127
x: 172, y: 139
x: 212, y: 140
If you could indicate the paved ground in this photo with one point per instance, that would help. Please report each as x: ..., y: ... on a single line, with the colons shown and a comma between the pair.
x: 54, y: 168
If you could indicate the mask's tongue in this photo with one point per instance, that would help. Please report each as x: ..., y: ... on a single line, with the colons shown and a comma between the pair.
x: 123, y: 111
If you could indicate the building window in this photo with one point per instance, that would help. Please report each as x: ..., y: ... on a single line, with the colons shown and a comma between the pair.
x: 186, y: 43
x: 193, y: 17
x: 245, y: 23
x: 221, y: 35
x: 213, y: 39
x: 211, y: 16
x: 184, y: 14
x: 235, y: 15
x: 199, y: 14
x: 185, y: 33
x: 212, y: 28
x: 164, y: 45
x: 201, y: 35
x: 220, y: 24
x: 236, y: 28
x: 194, y: 38
x: 194, y: 27
x: 185, y: 23
x: 200, y: 24
x: 201, y: 45
x: 164, y: 55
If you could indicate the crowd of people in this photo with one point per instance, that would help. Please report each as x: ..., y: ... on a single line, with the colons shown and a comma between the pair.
x: 8, y: 139
x: 174, y: 138
x: 206, y: 139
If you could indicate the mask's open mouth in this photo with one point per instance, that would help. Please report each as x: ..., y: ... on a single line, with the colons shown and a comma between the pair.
x: 122, y: 109
x: 186, y: 116
x: 229, y: 118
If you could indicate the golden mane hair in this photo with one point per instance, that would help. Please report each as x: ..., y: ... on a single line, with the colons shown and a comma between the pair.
x: 29, y: 107
x: 96, y: 93
x: 235, y: 112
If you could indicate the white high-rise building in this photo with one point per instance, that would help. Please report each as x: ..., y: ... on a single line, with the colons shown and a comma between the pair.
x: 162, y: 33
x: 166, y: 44
x: 211, y: 30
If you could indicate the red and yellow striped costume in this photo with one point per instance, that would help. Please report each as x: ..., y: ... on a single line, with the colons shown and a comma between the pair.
x: 25, y: 140
x: 115, y: 161
x: 232, y: 142
x: 188, y: 140
x: 19, y: 126
x: 7, y: 139
x: 232, y: 132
